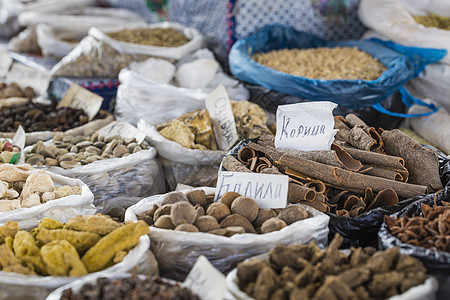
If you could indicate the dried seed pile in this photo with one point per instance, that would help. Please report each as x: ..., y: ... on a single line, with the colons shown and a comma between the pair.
x: 69, y: 151
x: 13, y: 90
x: 430, y: 230
x: 83, y: 245
x: 433, y: 20
x: 130, y: 288
x: 23, y: 186
x: 323, y: 63
x: 308, y: 272
x: 41, y: 117
x: 233, y: 214
x: 161, y: 37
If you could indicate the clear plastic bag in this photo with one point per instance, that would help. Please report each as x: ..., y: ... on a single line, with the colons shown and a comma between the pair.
x: 392, y: 18
x: 98, y: 55
x: 177, y: 251
x: 139, y: 97
x: 118, y: 182
x: 18, y: 286
x: 61, y: 209
x: 181, y: 165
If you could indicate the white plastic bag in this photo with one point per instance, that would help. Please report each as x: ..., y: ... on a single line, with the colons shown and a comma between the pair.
x: 177, y: 251
x: 118, y: 182
x: 425, y: 291
x: 140, y: 97
x: 18, y: 286
x: 9, y: 12
x: 181, y: 165
x: 393, y: 19
x: 61, y: 209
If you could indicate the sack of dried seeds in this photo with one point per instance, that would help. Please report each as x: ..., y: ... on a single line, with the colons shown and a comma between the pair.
x: 410, y: 22
x: 120, y: 171
x: 103, y: 53
x: 353, y: 74
x: 177, y: 249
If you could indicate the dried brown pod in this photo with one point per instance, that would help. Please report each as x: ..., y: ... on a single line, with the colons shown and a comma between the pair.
x: 206, y: 223
x: 229, y: 197
x: 197, y: 197
x: 237, y: 220
x: 186, y: 227
x: 164, y: 222
x: 272, y: 224
x: 161, y: 211
x: 173, y: 197
x: 293, y: 213
x: 246, y: 207
x: 218, y: 211
x: 264, y: 214
x: 182, y: 213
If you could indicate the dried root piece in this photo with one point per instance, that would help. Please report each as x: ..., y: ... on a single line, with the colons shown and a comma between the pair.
x: 99, y: 224
x: 61, y: 259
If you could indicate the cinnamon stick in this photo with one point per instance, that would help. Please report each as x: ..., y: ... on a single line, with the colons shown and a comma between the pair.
x: 354, y: 121
x: 422, y: 163
x: 378, y: 171
x: 297, y: 193
x: 394, y: 162
x: 347, y: 179
x: 245, y: 155
x: 230, y: 163
x: 387, y: 197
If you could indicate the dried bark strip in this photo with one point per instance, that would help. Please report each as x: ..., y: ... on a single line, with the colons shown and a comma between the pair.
x: 393, y: 162
x: 230, y: 163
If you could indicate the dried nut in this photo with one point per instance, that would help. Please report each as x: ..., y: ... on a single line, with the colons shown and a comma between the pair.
x: 164, y: 222
x: 109, y: 148
x: 137, y: 149
x: 99, y: 145
x: 94, y: 137
x: 67, y: 139
x: 161, y: 211
x: 186, y: 227
x: 273, y: 224
x: 51, y: 162
x: 61, y: 152
x: 120, y: 150
x: 28, y: 92
x: 182, y: 212
x: 91, y: 159
x: 38, y: 147
x: 69, y: 164
x: 131, y: 147
x: 293, y: 213
x: 232, y: 230
x: 199, y: 210
x: 78, y: 139
x: 206, y: 223
x: 229, y: 197
x: 58, y: 137
x: 219, y: 231
x: 47, y: 153
x: 173, y: 197
x: 94, y: 150
x: 197, y: 197
x: 67, y: 156
x: 151, y: 211
x: 237, y: 220
x: 111, y: 138
x: 218, y: 211
x: 73, y: 149
x: 264, y: 214
x: 36, y: 160
x: 246, y: 207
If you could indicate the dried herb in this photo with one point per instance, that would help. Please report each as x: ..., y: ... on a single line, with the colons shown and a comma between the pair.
x: 161, y: 37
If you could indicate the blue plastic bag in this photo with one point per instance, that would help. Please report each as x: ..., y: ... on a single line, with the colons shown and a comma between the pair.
x: 402, y: 63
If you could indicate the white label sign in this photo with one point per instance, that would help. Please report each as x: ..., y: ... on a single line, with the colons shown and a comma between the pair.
x: 268, y: 190
x: 19, y: 138
x: 81, y: 98
x: 206, y: 281
x: 305, y: 126
x: 5, y: 62
x: 27, y: 76
x: 123, y: 129
x: 219, y: 109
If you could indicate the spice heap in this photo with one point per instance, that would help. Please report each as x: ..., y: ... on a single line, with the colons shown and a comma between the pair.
x: 161, y: 37
x: 431, y: 229
x: 323, y: 63
x: 233, y: 214
x: 130, y: 288
x: 347, y: 181
x: 83, y: 245
x: 23, y: 186
x: 41, y: 117
x: 433, y: 20
x: 68, y: 151
x: 7, y: 151
x: 307, y: 272
x: 194, y: 130
x: 13, y: 90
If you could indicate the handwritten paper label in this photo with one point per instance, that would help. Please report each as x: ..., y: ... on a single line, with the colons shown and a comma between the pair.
x: 27, y: 76
x: 305, y: 126
x: 219, y: 109
x: 206, y: 281
x: 5, y: 62
x: 19, y: 138
x: 268, y: 190
x: 123, y: 129
x: 81, y: 98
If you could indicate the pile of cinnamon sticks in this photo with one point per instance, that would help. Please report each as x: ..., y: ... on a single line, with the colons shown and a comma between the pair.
x: 365, y: 168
